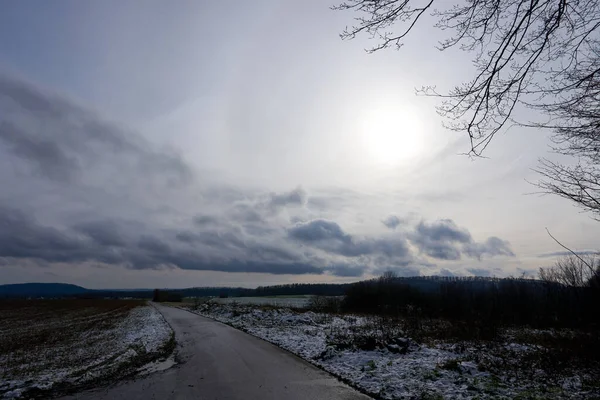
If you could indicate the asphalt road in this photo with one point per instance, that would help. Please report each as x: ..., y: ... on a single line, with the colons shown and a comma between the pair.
x: 220, y: 362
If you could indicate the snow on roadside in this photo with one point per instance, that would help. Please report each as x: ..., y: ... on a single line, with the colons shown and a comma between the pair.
x: 438, y: 371
x: 142, y: 334
x: 145, y: 326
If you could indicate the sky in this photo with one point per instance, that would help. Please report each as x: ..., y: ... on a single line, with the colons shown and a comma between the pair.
x: 244, y: 144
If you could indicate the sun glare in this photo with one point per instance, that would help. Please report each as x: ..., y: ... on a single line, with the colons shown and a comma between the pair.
x: 391, y: 136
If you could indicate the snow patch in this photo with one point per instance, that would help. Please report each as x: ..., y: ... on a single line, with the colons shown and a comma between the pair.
x: 142, y: 331
x: 442, y: 370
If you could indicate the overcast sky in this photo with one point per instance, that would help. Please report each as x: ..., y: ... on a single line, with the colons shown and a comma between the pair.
x: 177, y: 144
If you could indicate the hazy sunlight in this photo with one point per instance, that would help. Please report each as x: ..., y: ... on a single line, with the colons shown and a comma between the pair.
x: 391, y: 136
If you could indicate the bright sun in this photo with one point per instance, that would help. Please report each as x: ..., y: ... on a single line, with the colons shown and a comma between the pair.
x: 391, y: 136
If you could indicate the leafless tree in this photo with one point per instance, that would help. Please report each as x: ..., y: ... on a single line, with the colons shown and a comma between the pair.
x: 571, y: 270
x: 388, y: 276
x: 536, y: 54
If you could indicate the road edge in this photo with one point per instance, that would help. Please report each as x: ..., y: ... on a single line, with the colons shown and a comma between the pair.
x: 343, y: 380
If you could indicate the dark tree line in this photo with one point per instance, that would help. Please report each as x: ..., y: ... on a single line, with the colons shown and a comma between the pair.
x: 322, y: 289
x: 295, y: 289
x: 479, y: 302
x: 160, y: 295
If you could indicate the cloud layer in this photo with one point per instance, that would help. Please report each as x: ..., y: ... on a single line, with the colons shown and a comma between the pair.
x: 86, y: 190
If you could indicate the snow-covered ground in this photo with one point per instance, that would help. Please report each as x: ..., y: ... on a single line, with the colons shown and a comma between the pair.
x: 277, y: 301
x: 401, y: 368
x: 109, y: 344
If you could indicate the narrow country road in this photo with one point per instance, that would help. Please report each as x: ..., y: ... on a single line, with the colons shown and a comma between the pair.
x: 220, y: 362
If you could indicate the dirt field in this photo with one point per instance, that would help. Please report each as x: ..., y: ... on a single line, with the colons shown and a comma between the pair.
x: 50, y: 345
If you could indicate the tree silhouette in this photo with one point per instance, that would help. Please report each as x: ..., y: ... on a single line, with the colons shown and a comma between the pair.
x: 535, y: 54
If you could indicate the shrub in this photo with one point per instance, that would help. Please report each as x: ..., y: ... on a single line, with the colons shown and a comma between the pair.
x: 163, y: 295
x: 328, y: 304
x: 476, y: 306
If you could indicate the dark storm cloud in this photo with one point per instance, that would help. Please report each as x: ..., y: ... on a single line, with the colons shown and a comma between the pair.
x: 329, y: 236
x: 392, y: 222
x: 187, y: 237
x: 223, y: 248
x: 105, y: 233
x: 30, y: 97
x: 386, y: 246
x: 439, y: 239
x: 224, y: 251
x: 61, y: 140
x: 247, y: 266
x: 318, y: 230
x: 493, y: 246
x: 46, y: 157
x: 444, y: 230
x: 22, y: 237
x: 233, y: 241
x: 444, y: 240
x: 440, y: 250
x: 205, y: 220
x: 153, y: 245
x: 224, y: 240
x: 195, y: 260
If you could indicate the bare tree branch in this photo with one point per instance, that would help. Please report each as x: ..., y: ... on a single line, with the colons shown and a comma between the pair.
x: 592, y: 269
x: 541, y: 55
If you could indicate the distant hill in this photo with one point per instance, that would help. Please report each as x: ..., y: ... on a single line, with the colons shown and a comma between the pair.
x: 53, y: 290
x: 41, y: 290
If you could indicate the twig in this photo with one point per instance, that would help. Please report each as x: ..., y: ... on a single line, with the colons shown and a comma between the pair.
x: 572, y: 252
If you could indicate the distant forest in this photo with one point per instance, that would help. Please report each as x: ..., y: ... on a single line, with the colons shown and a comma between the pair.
x: 51, y: 290
x: 483, y: 302
x: 294, y: 289
x: 421, y: 283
